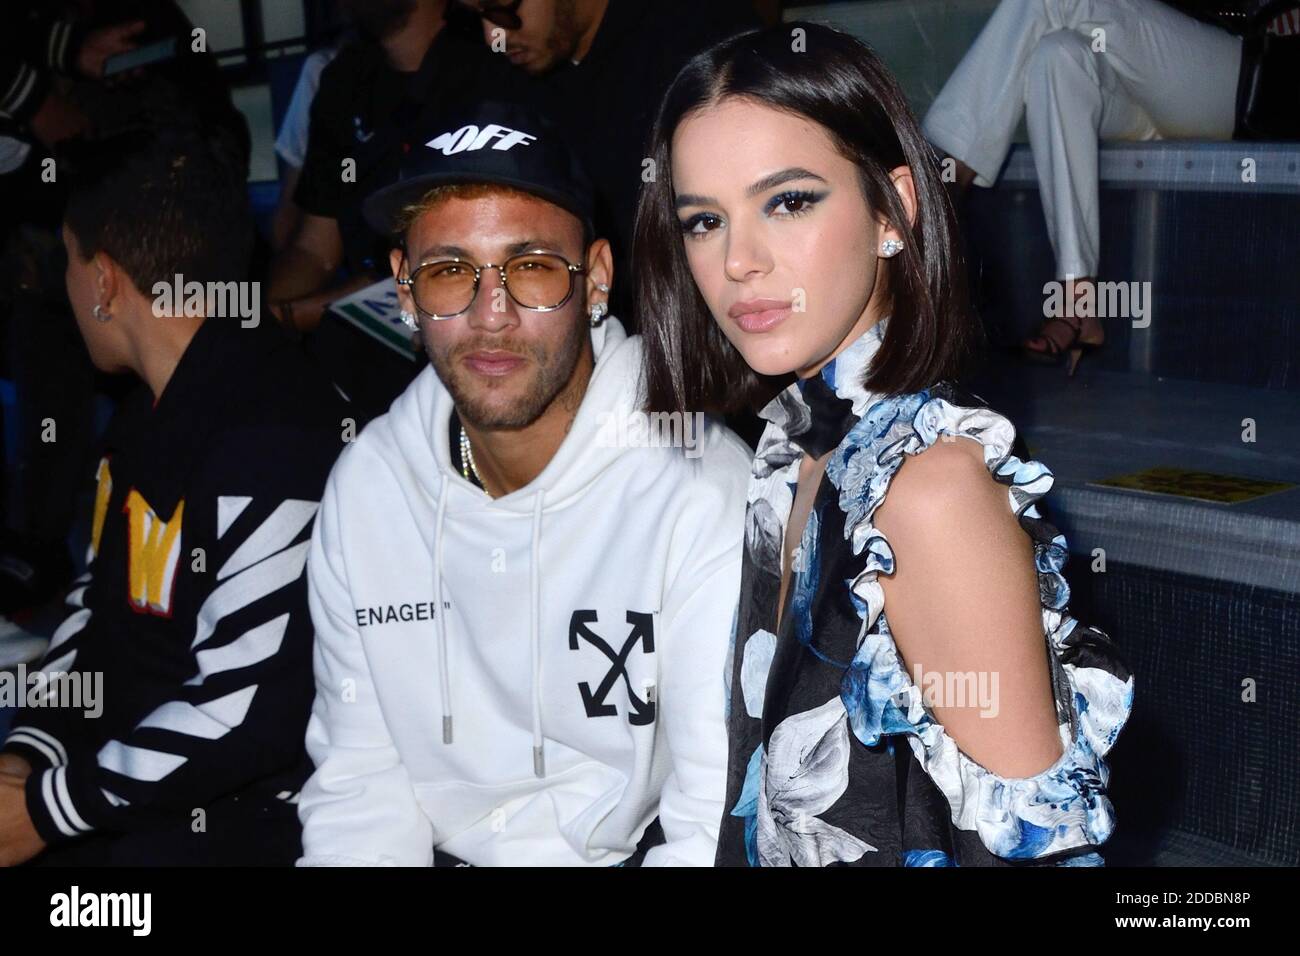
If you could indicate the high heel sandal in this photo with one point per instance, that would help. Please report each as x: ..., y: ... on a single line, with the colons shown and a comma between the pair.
x: 1072, y: 350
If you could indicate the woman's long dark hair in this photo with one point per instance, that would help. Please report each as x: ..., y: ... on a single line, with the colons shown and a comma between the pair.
x: 838, y: 82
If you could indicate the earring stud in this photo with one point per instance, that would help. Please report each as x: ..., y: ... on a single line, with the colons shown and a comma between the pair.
x: 409, y: 320
x: 891, y: 247
x: 598, y: 312
x: 100, y: 313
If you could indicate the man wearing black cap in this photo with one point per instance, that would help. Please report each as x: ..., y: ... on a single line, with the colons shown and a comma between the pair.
x: 523, y: 591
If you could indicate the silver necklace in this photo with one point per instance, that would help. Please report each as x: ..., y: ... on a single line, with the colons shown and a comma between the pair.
x: 467, y: 459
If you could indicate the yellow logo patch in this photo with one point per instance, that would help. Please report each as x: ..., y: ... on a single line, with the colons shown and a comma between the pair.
x: 155, y: 547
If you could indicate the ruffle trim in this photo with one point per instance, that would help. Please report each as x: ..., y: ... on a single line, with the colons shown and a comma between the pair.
x: 1061, y: 808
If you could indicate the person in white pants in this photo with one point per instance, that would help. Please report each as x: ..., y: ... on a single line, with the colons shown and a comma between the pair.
x: 1081, y: 71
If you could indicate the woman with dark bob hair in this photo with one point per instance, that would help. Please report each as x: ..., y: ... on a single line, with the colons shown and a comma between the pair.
x: 907, y: 685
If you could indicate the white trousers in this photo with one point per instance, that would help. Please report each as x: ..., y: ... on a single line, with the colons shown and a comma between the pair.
x: 1081, y: 71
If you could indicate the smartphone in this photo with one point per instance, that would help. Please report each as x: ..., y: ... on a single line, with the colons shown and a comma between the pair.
x: 158, y: 52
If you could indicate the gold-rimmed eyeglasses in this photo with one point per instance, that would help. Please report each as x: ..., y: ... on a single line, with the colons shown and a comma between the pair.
x: 537, y: 280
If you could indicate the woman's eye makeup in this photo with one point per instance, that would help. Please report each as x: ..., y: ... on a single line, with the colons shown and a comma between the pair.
x: 701, y: 224
x: 788, y: 204
x: 793, y: 202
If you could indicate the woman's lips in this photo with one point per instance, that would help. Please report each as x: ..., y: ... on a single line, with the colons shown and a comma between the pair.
x: 494, y: 363
x: 763, y: 320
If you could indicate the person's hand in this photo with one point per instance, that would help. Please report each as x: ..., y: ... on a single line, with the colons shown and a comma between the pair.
x: 104, y: 43
x: 15, y: 765
x: 19, y: 841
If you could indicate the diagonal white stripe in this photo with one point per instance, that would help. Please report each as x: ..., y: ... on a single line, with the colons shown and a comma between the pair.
x: 182, y: 718
x: 274, y: 534
x: 53, y: 669
x: 114, y: 799
x: 231, y: 709
x: 211, y: 720
x: 137, y: 762
x: 252, y: 585
x: 72, y: 625
x: 249, y: 648
x: 229, y: 507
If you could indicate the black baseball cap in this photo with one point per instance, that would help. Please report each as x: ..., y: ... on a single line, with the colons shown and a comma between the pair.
x: 491, y: 141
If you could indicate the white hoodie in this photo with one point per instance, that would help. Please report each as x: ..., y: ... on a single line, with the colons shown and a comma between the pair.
x: 573, y: 688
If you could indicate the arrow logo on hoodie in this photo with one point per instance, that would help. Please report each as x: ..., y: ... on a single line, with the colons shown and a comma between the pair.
x: 643, y: 711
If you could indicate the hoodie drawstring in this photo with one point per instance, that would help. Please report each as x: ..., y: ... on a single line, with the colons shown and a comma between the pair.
x: 440, y: 614
x: 534, y: 628
x: 535, y: 580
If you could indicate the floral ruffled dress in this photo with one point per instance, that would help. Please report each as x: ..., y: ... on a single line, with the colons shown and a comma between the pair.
x: 834, y: 756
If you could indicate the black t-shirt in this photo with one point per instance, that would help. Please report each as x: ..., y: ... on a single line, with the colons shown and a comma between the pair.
x: 368, y: 112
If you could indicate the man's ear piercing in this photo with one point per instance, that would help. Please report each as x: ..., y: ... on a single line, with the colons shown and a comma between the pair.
x: 100, y: 313
x: 410, y: 321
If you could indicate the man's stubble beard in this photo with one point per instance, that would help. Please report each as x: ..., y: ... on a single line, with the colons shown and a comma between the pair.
x: 553, y: 377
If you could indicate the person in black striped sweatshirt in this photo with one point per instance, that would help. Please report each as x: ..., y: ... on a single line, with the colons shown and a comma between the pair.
x: 192, y: 614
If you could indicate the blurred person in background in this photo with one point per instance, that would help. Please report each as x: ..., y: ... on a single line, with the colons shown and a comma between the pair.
x: 291, y: 143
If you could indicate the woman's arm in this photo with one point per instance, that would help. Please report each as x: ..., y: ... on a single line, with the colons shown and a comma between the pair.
x: 963, y: 607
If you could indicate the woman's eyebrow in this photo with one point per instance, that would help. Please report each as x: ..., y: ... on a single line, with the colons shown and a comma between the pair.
x: 770, y: 181
x: 780, y: 178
